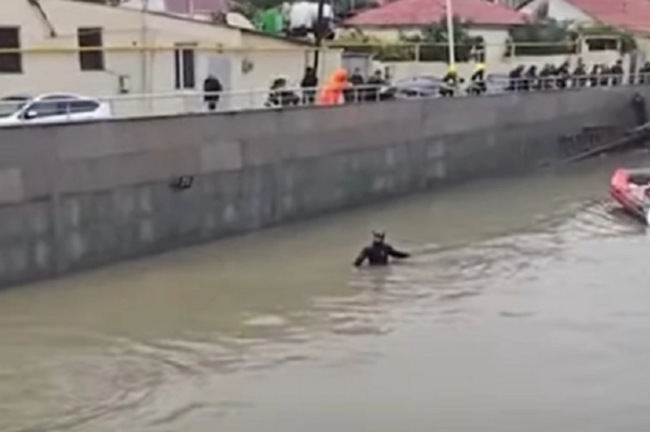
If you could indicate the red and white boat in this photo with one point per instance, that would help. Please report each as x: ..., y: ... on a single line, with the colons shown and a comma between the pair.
x: 631, y: 189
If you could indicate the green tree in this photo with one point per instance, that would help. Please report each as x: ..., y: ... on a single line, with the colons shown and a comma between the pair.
x: 435, y: 41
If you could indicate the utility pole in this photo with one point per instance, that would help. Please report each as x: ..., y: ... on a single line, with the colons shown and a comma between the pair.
x: 319, y: 30
x: 451, y: 43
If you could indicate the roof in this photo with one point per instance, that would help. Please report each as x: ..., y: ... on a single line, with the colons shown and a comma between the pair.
x: 426, y: 12
x: 197, y: 6
x: 632, y: 15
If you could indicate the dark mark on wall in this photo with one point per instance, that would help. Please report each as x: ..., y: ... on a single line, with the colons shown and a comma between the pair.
x: 181, y: 183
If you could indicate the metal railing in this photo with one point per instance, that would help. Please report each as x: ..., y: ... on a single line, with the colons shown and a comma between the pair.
x: 562, y: 47
x: 194, y: 102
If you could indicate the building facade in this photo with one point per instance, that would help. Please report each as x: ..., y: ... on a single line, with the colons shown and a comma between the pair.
x: 63, y: 45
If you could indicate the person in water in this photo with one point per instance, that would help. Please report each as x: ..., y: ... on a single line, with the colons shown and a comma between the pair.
x: 378, y: 252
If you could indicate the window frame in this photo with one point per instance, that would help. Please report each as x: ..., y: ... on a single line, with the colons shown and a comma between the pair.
x: 185, y: 66
x: 58, y: 103
x: 11, y: 63
x: 91, y: 60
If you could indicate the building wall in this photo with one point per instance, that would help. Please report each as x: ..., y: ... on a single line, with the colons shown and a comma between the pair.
x: 77, y: 202
x: 495, y: 38
x: 145, y: 67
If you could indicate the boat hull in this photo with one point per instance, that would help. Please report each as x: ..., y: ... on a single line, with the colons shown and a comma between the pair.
x: 622, y: 190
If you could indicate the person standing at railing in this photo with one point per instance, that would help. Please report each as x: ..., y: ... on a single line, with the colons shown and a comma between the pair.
x: 547, y: 77
x: 593, y: 75
x: 332, y: 92
x: 644, y: 74
x: 477, y: 80
x: 562, y: 75
x: 212, y: 89
x: 515, y: 76
x: 580, y: 75
x: 373, y: 90
x: 280, y: 96
x: 309, y: 84
x: 355, y: 92
x: 531, y: 81
x: 451, y: 81
x: 617, y: 73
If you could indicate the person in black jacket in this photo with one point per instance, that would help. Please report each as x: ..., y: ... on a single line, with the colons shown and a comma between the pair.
x: 379, y: 252
x: 309, y: 86
x: 212, y: 89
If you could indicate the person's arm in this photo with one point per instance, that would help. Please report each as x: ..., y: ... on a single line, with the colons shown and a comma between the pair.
x: 397, y: 254
x: 361, y: 258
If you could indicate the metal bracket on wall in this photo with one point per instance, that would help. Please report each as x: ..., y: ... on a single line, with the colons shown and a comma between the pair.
x: 181, y: 183
x: 44, y: 18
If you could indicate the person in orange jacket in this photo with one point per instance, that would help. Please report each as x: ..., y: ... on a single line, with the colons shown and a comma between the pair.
x: 332, y: 92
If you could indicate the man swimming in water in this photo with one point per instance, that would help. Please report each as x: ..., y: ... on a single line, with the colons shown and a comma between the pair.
x: 378, y: 252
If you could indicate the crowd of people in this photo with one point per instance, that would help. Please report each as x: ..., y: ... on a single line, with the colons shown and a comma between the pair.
x: 339, y: 88
x: 342, y: 87
x: 558, y: 77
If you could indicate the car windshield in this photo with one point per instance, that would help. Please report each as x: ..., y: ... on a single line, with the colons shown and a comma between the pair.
x: 10, y: 105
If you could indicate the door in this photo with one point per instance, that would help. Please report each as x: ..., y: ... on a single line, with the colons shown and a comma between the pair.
x: 82, y: 109
x: 46, y: 111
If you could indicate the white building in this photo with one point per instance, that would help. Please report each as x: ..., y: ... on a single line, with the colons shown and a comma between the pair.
x: 139, y: 53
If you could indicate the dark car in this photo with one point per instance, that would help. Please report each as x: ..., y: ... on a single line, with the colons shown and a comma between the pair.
x: 416, y: 87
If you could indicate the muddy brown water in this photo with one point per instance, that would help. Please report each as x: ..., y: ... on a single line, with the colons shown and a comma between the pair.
x: 526, y: 308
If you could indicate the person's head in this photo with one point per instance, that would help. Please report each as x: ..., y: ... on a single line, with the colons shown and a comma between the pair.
x: 378, y: 237
x: 340, y: 76
x: 309, y: 70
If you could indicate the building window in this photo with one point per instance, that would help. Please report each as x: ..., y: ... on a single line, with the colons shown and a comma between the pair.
x: 90, y: 37
x: 184, y: 66
x: 10, y: 39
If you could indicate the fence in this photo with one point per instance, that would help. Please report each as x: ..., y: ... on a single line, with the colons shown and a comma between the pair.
x: 55, y: 109
x: 466, y: 51
x: 166, y: 68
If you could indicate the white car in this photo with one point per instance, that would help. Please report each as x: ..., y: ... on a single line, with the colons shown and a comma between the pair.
x: 51, y: 108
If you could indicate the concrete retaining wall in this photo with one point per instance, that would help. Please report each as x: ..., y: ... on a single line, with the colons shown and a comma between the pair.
x: 76, y: 196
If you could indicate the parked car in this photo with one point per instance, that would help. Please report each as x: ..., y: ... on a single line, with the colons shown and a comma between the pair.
x: 51, y: 108
x: 415, y: 87
x: 426, y: 86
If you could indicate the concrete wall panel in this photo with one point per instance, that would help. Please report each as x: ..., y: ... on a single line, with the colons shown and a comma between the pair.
x: 76, y: 196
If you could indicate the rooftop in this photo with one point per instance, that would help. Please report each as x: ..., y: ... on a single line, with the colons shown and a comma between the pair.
x: 425, y: 12
x: 197, y: 6
x: 633, y: 15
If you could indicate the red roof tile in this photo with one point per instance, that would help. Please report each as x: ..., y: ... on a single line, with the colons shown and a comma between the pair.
x: 633, y: 15
x: 197, y: 6
x: 426, y: 12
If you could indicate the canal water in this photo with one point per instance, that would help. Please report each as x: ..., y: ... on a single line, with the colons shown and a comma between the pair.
x: 525, y: 308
